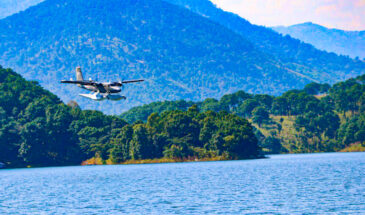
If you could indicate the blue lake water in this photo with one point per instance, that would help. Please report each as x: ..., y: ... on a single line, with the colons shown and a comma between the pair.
x: 331, y: 183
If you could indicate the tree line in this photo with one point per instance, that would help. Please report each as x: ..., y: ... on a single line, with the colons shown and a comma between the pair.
x: 37, y: 129
x: 324, y: 117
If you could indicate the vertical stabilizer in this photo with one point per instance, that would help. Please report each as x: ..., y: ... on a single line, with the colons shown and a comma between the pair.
x: 79, y: 74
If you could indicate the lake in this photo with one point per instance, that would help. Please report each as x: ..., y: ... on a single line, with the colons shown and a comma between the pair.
x: 332, y: 183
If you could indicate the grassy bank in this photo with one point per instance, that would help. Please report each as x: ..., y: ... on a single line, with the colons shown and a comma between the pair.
x: 99, y: 161
x: 356, y: 147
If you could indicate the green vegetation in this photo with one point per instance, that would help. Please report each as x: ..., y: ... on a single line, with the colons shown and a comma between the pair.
x: 138, y: 113
x: 37, y: 129
x: 298, y: 57
x: 356, y: 147
x: 184, y: 134
x: 181, y: 54
x: 319, y: 118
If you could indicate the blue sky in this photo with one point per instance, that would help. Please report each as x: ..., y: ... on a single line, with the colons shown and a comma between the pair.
x: 342, y: 14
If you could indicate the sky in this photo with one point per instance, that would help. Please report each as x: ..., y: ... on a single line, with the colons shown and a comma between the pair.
x: 8, y: 7
x: 341, y: 14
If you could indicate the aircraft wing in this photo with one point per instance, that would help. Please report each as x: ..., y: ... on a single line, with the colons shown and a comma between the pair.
x: 98, y: 85
x: 120, y: 83
x: 132, y: 81
x: 92, y: 83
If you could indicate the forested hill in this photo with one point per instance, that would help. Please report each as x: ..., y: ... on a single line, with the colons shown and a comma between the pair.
x: 37, y: 129
x: 319, y: 118
x: 351, y: 43
x: 294, y: 54
x: 182, y: 55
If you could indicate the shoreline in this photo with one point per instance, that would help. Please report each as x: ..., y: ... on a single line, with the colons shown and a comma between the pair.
x: 99, y: 161
x: 166, y: 160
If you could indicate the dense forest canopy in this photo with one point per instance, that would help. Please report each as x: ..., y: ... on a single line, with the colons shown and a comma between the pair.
x: 37, y: 129
x: 318, y: 118
x: 181, y: 54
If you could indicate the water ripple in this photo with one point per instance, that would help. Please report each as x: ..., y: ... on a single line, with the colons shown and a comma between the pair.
x: 331, y: 183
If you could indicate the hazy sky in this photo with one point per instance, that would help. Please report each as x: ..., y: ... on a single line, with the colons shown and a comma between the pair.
x: 342, y: 14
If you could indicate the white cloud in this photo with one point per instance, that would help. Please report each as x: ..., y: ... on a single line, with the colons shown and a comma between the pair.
x: 342, y: 14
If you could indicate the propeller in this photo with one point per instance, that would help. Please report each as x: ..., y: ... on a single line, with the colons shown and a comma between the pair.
x: 122, y: 85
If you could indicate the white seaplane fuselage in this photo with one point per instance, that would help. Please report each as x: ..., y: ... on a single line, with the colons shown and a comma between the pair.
x: 102, y: 91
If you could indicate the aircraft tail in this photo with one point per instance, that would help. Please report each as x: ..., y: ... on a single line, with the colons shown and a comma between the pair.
x: 79, y: 76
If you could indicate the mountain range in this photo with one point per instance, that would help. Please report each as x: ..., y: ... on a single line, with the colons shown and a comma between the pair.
x: 9, y: 7
x: 184, y: 49
x: 300, y: 57
x: 351, y: 43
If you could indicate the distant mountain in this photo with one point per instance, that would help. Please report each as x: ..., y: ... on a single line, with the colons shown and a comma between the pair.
x: 298, y: 56
x: 181, y: 55
x: 9, y: 7
x: 351, y: 43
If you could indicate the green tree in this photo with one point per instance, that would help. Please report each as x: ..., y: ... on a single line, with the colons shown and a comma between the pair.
x: 34, y: 139
x: 260, y: 115
x: 120, y: 151
x: 273, y: 144
x: 210, y: 104
x: 141, y: 146
x: 246, y: 108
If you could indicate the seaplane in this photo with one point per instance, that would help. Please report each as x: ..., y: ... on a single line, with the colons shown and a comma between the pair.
x: 102, y: 90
